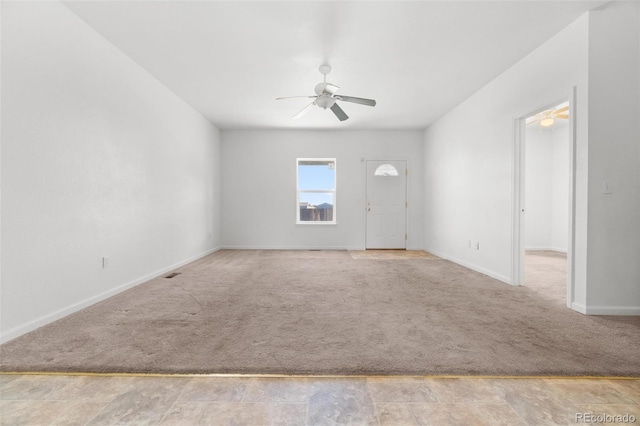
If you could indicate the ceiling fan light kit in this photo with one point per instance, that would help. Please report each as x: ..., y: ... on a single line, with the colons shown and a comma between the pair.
x: 326, y: 98
x: 547, y: 118
x: 546, y: 122
x: 325, y: 101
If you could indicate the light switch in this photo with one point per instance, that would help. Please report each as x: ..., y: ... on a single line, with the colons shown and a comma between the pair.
x: 606, y: 187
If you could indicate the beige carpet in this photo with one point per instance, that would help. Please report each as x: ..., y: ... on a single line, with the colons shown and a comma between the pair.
x: 323, y: 312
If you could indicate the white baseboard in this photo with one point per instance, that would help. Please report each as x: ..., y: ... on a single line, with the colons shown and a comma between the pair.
x: 49, y: 318
x: 579, y: 307
x: 293, y: 248
x: 476, y: 268
x: 355, y: 248
x: 606, y: 310
x: 559, y: 250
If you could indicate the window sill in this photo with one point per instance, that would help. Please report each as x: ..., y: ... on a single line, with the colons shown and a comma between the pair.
x: 316, y: 223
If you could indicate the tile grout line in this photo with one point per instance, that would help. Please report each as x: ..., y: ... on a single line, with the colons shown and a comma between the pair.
x: 88, y: 422
x: 373, y: 401
x: 175, y: 401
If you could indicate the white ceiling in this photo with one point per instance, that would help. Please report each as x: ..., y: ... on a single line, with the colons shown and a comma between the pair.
x: 230, y: 60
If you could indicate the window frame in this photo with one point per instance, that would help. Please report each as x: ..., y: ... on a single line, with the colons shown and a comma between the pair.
x: 332, y: 191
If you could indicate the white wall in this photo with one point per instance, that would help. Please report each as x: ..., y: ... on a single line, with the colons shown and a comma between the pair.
x: 614, y: 148
x: 547, y: 188
x: 469, y: 154
x: 98, y: 159
x: 259, y: 185
x: 469, y: 159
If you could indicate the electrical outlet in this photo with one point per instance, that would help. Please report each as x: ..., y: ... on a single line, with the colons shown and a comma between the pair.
x: 606, y: 187
x: 105, y: 262
x: 477, y: 245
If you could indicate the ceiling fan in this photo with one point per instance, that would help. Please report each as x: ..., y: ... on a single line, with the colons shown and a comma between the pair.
x: 326, y: 97
x: 548, y: 117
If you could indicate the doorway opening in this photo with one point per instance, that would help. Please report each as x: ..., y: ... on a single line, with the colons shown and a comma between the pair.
x: 544, y: 201
x: 546, y: 219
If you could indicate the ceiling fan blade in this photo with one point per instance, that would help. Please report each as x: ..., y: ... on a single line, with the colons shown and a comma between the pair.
x: 331, y: 88
x: 563, y: 109
x: 562, y: 115
x: 304, y: 110
x: 339, y: 112
x: 326, y: 89
x: 295, y: 97
x: 361, y: 101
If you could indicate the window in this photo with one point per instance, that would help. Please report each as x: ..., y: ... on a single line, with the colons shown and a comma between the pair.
x: 316, y: 190
x: 386, y: 170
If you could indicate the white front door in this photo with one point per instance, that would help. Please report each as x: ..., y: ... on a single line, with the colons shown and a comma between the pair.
x: 386, y: 204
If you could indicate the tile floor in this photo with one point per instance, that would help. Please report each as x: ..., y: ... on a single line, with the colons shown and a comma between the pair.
x: 117, y: 400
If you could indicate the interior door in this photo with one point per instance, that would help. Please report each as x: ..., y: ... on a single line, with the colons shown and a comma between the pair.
x: 386, y: 204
